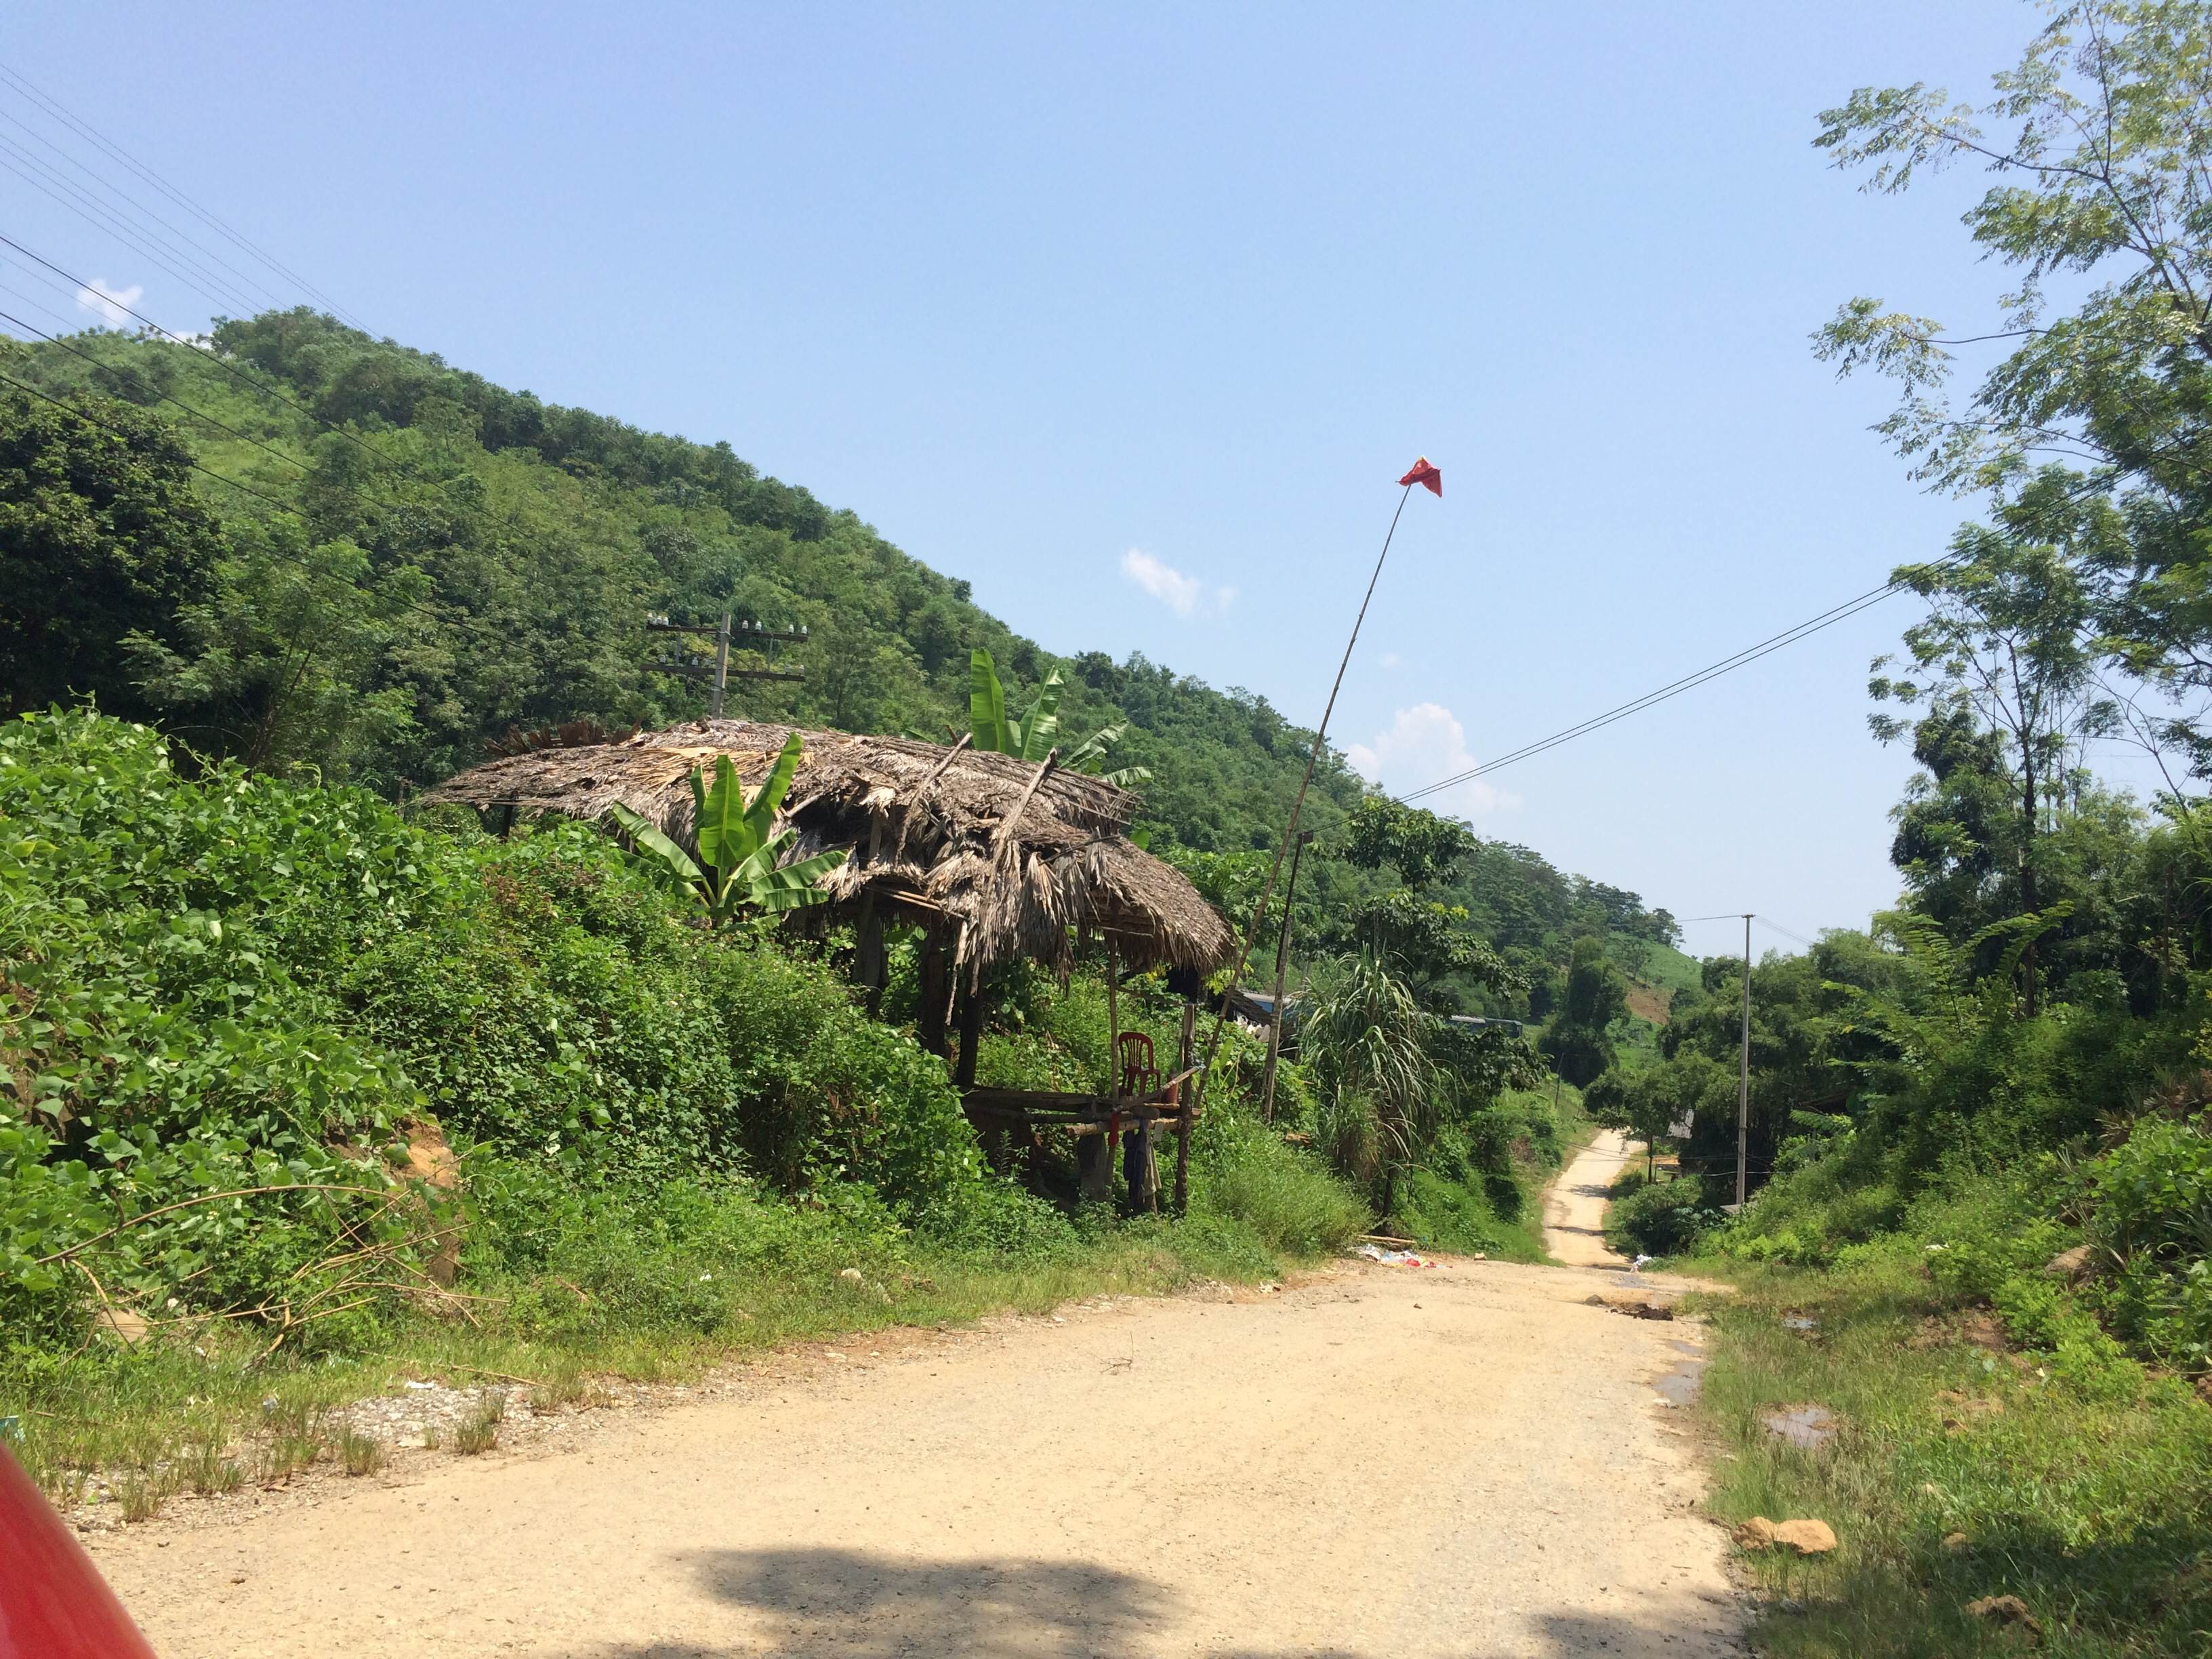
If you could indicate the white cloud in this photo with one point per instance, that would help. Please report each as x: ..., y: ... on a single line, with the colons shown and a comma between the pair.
x: 1392, y: 660
x: 1425, y: 745
x: 1183, y: 594
x: 107, y: 303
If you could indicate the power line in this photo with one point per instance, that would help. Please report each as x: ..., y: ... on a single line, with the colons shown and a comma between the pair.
x: 1764, y: 921
x: 85, y: 130
x: 1687, y: 683
x: 109, y: 426
x: 138, y: 207
x: 122, y: 380
x: 68, y: 292
x: 147, y: 244
x: 35, y: 304
x: 236, y: 373
x: 122, y: 234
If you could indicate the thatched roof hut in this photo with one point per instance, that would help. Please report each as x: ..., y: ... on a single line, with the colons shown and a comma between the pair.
x: 926, y: 828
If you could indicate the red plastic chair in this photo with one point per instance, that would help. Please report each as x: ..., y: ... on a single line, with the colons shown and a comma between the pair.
x: 1140, y: 1074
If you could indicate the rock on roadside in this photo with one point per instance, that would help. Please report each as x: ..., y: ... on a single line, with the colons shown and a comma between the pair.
x: 1805, y: 1537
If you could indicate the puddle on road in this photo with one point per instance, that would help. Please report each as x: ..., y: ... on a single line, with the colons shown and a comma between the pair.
x: 1808, y: 1428
x: 1679, y: 1386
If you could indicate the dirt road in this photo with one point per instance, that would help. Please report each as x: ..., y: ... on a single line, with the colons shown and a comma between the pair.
x: 1574, y: 1211
x: 1465, y: 1461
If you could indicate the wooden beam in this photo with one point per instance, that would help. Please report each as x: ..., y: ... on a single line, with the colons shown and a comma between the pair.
x: 938, y: 770
x: 1113, y: 1029
x: 1003, y: 837
x: 989, y: 1097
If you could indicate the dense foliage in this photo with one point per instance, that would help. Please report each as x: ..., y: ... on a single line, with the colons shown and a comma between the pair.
x: 230, y: 984
x: 2015, y: 1063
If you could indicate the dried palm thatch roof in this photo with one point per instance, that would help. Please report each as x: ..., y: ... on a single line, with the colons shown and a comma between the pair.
x: 925, y: 827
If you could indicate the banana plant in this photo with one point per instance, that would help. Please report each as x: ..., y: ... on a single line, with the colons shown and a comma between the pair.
x: 738, y: 865
x: 1031, y: 734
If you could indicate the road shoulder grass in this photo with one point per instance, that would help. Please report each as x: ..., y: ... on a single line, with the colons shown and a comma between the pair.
x: 118, y: 1431
x: 1959, y: 1471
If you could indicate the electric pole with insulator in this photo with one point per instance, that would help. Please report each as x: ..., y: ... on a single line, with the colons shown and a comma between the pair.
x: 1743, y: 1081
x: 747, y: 633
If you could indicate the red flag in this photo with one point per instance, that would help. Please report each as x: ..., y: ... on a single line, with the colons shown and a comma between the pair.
x: 1424, y: 473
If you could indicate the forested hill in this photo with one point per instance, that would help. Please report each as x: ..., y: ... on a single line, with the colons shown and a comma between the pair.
x: 415, y: 562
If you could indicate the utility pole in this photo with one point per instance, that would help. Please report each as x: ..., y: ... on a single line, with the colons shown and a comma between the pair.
x: 1743, y: 1083
x: 721, y: 666
x: 1282, y: 966
x: 722, y: 673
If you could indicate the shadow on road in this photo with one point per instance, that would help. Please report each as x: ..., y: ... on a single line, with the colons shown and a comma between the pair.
x: 854, y: 1604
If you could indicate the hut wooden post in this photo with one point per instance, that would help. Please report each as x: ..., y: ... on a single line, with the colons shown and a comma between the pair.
x: 1137, y: 1158
x: 1094, y: 1163
x: 1112, y: 1022
x: 1002, y: 1144
x: 971, y: 1031
x: 1094, y: 1154
x: 869, y: 965
x: 935, y: 1005
x: 1143, y: 1165
x: 1183, y: 1111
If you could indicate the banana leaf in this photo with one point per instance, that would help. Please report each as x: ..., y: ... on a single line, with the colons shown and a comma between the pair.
x: 791, y: 886
x: 986, y: 705
x: 724, y: 837
x: 760, y: 816
x: 647, y: 838
x: 1034, y: 734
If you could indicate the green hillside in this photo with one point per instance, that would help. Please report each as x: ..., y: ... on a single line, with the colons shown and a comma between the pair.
x: 427, y: 562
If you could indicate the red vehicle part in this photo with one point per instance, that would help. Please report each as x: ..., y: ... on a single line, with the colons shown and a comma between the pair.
x: 53, y: 1602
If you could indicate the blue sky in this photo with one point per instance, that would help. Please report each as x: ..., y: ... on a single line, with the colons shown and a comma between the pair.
x: 1131, y: 316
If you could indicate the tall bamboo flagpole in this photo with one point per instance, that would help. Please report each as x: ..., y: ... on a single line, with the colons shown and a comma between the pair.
x: 1420, y: 473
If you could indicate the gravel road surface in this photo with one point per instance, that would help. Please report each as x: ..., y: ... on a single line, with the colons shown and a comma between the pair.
x: 1574, y: 1210
x: 1467, y: 1461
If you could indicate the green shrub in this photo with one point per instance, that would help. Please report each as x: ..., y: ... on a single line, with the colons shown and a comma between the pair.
x: 1244, y: 1172
x: 995, y: 1218
x: 1660, y: 1219
x: 1446, y: 1213
x: 2150, y: 1210
x: 169, y: 1037
x: 1983, y: 1234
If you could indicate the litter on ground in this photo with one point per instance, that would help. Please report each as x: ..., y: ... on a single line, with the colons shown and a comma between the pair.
x: 1396, y: 1258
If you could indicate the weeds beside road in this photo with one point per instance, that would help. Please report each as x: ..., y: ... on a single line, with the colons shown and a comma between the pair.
x: 1958, y: 1471
x: 129, y: 1427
